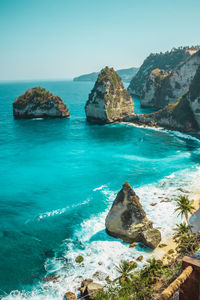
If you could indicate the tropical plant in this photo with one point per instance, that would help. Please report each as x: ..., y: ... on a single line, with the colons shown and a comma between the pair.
x: 125, y: 269
x: 181, y: 229
x: 188, y: 244
x: 152, y: 271
x: 184, y: 207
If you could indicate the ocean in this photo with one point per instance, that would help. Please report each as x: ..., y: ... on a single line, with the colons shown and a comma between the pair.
x: 58, y: 179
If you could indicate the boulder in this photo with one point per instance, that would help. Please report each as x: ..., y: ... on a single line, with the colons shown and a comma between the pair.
x: 108, y: 101
x: 39, y: 103
x: 151, y: 237
x: 127, y: 220
x: 92, y: 289
x: 79, y: 259
x: 89, y: 288
x: 70, y: 296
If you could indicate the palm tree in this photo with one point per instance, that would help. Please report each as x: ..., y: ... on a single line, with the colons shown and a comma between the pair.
x: 184, y: 206
x: 125, y: 269
x: 181, y: 229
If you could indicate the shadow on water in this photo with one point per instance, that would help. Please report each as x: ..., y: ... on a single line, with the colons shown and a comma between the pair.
x: 109, y: 132
x: 41, y: 129
x: 103, y: 236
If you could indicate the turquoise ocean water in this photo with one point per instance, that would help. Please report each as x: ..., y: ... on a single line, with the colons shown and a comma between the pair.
x: 58, y: 179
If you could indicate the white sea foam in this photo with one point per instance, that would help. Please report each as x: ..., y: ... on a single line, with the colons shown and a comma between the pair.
x: 61, y: 211
x: 52, y: 213
x: 99, y: 188
x: 101, y: 252
x: 173, y: 132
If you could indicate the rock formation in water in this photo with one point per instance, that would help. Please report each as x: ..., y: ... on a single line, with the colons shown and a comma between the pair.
x: 127, y: 220
x: 39, y: 103
x: 108, y: 101
x: 184, y: 115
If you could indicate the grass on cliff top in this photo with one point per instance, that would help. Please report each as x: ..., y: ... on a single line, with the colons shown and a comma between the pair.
x: 109, y: 74
x: 36, y: 95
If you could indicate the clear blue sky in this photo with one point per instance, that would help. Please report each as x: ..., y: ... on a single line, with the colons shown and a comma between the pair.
x: 46, y: 39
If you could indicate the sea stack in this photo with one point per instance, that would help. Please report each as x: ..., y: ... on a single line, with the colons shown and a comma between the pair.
x: 39, y: 103
x: 127, y: 220
x: 108, y: 101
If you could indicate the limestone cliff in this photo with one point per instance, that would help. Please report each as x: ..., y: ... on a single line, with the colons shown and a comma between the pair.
x: 108, y: 101
x: 127, y: 220
x: 184, y: 115
x: 171, y: 87
x: 165, y: 61
x: 193, y: 97
x: 39, y: 103
x: 151, y: 85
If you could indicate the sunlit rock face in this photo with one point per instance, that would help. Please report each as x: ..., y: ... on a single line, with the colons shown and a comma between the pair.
x: 127, y: 220
x: 183, y: 115
x: 166, y: 61
x: 108, y: 101
x: 164, y: 77
x: 177, y: 82
x: 39, y: 103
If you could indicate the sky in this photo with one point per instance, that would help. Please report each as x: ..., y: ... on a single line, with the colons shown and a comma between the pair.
x: 60, y: 39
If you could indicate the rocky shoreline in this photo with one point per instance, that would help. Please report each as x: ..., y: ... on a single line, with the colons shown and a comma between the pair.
x: 166, y: 249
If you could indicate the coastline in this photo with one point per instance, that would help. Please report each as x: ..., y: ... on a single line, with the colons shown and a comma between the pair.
x: 161, y: 253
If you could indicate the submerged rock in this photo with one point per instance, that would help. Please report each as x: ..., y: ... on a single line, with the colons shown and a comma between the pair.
x: 51, y: 277
x: 39, y: 103
x: 79, y: 259
x: 127, y: 220
x: 108, y: 101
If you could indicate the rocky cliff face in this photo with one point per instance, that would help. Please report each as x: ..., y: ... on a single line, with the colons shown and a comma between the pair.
x: 193, y: 97
x: 127, y: 220
x: 184, y: 115
x: 108, y: 101
x: 39, y: 103
x: 171, y: 86
x: 152, y: 84
x: 164, y: 61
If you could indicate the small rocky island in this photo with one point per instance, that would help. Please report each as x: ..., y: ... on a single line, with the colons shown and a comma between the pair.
x: 127, y: 220
x: 108, y: 101
x: 39, y: 103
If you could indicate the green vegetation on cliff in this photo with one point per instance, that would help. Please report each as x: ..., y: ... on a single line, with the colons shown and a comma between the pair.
x: 108, y: 101
x: 165, y: 61
x: 35, y: 95
x: 194, y: 90
x: 39, y: 102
